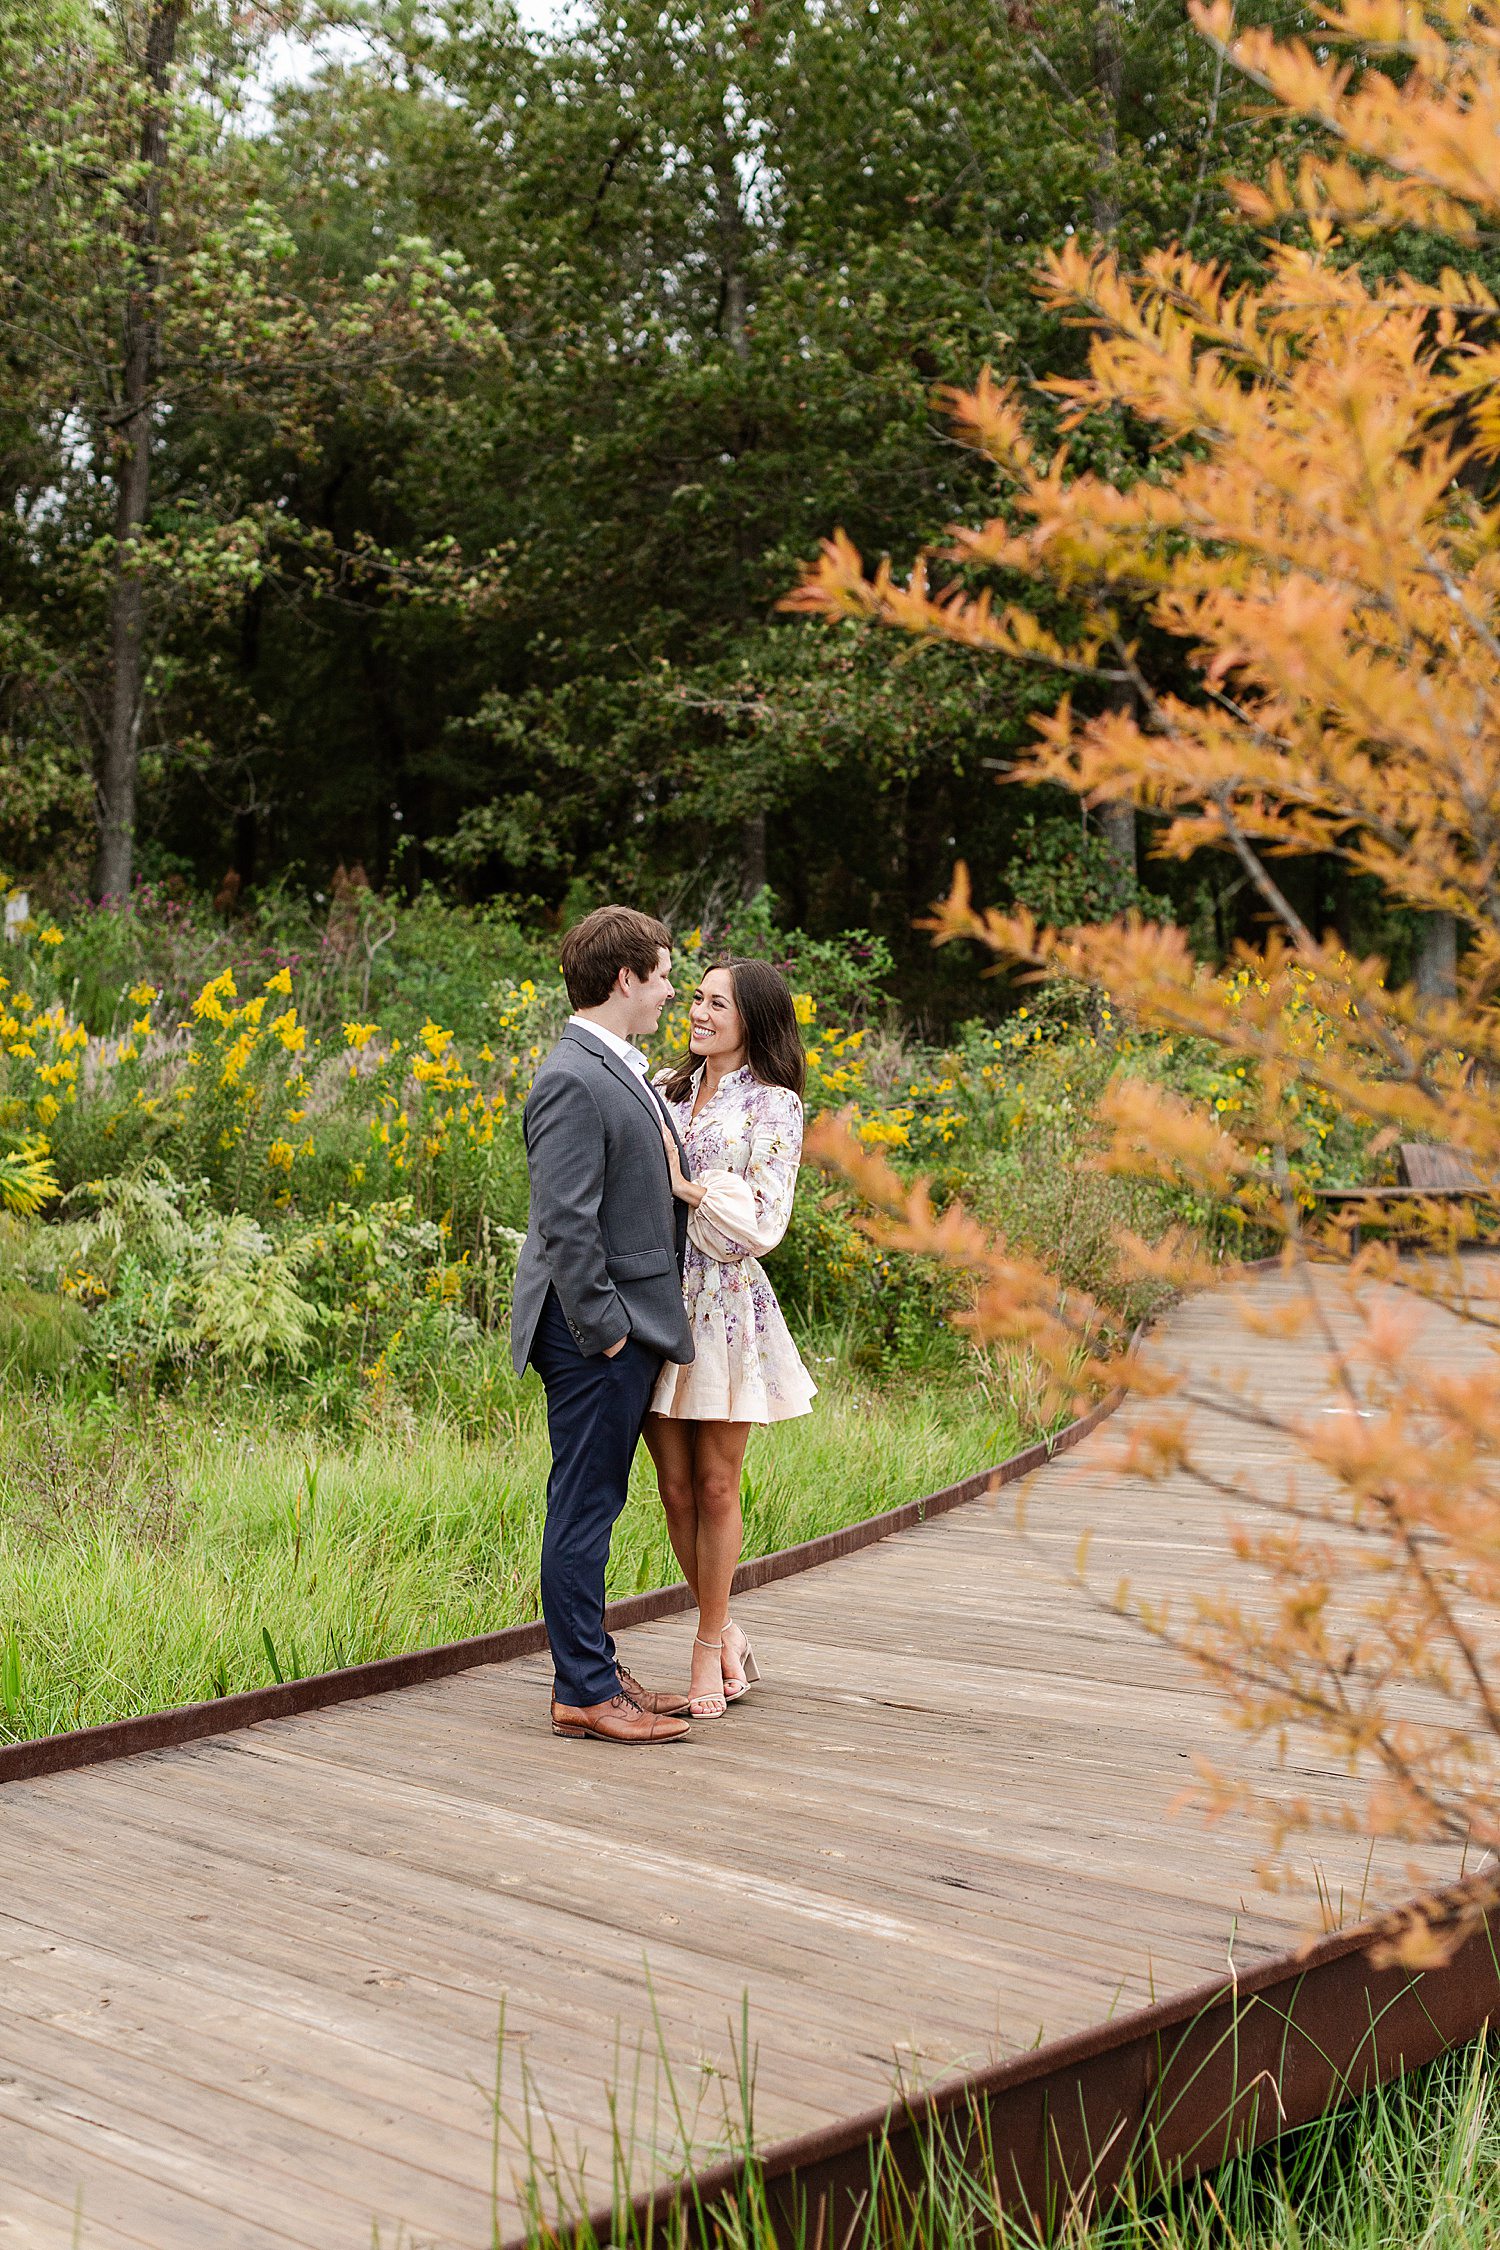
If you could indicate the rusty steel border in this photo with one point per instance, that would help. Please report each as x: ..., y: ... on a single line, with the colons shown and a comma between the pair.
x: 1154, y: 2098
x: 193, y: 1722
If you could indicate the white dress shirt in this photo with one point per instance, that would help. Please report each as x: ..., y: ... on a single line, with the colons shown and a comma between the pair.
x: 630, y: 1056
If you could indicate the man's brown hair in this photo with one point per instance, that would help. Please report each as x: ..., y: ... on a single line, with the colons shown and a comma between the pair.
x: 610, y: 939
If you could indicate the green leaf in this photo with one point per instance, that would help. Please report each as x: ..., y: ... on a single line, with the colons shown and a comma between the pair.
x: 10, y: 1676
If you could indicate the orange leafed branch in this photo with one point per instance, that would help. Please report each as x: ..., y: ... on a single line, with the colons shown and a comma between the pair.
x: 1318, y: 535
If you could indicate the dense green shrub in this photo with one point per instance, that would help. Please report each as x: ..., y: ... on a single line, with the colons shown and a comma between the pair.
x: 287, y: 1150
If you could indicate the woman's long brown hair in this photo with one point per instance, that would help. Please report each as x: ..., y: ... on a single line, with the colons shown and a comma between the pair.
x: 773, y: 1044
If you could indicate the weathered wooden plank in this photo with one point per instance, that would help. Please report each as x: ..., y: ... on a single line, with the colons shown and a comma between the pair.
x: 428, y: 2119
x: 247, y: 2163
x: 936, y: 1831
x: 33, y: 2220
x: 930, y: 1916
x: 540, y: 1945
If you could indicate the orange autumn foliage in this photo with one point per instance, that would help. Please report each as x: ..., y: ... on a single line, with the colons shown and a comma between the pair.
x: 1318, y: 532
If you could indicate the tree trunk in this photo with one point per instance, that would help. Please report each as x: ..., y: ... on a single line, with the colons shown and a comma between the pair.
x: 734, y: 291
x: 133, y: 441
x: 1117, y: 827
x: 1109, y: 85
x: 1117, y: 823
x: 1436, y: 975
x: 753, y: 876
x: 734, y: 307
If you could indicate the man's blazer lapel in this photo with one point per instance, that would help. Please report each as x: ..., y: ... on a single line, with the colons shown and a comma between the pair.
x: 657, y: 1110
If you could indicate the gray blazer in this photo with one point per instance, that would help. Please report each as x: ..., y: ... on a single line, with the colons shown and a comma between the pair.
x: 606, y: 1231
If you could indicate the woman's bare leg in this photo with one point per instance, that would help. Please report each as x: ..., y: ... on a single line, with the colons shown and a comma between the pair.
x: 670, y: 1445
x: 718, y: 1458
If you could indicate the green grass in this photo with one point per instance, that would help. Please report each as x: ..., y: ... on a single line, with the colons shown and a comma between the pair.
x: 1414, y: 2165
x: 158, y: 1554
x: 154, y: 1553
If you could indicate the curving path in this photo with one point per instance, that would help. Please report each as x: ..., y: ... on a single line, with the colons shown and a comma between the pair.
x: 252, y: 1986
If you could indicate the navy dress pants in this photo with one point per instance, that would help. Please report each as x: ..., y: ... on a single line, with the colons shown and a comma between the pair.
x: 595, y: 1408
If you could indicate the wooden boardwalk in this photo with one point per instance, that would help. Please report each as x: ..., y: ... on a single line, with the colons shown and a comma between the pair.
x: 253, y: 1986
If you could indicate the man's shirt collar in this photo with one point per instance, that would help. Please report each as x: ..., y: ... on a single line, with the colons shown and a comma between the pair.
x: 630, y: 1056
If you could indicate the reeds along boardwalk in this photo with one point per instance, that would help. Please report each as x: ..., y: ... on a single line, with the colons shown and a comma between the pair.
x: 253, y: 1986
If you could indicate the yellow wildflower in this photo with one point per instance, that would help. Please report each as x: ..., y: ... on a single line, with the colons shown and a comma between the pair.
x: 52, y: 935
x: 887, y: 1132
x: 236, y: 1059
x: 293, y: 1035
x: 210, y: 1001
x: 143, y: 993
x: 281, y: 982
x: 804, y: 1006
x: 280, y: 1155
x: 437, y: 1073
x: 359, y: 1034
x: 27, y: 1179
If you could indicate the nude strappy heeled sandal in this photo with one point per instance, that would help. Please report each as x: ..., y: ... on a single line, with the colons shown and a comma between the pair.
x: 710, y: 1706
x: 734, y: 1693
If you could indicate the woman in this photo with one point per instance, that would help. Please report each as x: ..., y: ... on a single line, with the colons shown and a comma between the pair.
x: 736, y: 1101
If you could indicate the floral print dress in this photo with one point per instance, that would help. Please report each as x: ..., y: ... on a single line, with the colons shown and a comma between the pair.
x: 744, y: 1147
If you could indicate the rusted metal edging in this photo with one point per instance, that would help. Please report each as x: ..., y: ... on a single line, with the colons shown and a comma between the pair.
x: 1154, y: 2097
x: 193, y: 1722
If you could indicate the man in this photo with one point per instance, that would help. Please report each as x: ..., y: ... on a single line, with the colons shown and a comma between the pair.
x: 598, y: 1300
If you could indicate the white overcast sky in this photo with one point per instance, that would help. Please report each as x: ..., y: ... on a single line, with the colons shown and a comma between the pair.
x: 292, y: 62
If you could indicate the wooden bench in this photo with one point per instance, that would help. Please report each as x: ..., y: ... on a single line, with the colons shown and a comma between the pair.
x: 1430, y: 1171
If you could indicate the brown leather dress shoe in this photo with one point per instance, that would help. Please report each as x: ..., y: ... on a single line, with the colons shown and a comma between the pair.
x: 665, y: 1702
x: 618, y: 1720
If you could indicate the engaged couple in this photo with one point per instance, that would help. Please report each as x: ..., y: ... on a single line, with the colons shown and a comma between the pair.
x: 639, y: 1301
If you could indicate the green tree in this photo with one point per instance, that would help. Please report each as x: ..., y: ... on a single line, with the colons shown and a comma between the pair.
x: 150, y: 298
x: 734, y: 249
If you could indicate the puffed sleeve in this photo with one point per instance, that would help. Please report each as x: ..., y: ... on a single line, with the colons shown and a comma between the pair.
x: 744, y: 1214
